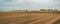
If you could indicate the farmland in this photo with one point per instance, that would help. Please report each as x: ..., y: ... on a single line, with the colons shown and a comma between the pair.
x: 28, y: 18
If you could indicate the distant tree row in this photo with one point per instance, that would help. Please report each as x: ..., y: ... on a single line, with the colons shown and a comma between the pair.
x: 41, y: 10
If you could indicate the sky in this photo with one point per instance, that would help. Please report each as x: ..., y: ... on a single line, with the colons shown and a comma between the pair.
x: 29, y: 4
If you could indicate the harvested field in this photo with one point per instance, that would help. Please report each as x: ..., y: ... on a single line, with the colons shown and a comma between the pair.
x: 28, y: 18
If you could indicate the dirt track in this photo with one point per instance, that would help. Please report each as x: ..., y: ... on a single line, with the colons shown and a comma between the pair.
x: 28, y: 18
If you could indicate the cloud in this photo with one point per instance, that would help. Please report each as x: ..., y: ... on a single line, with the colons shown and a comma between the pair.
x: 28, y: 4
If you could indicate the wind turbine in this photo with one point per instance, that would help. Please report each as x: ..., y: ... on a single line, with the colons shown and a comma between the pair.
x: 24, y: 4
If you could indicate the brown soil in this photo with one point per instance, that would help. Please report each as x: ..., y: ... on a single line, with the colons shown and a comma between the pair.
x: 28, y: 18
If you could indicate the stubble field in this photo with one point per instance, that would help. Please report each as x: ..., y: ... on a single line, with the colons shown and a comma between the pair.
x: 28, y: 18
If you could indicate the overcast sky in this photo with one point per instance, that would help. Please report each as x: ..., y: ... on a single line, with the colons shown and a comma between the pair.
x: 29, y: 4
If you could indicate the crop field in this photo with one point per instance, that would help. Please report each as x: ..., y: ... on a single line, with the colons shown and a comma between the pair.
x: 29, y: 18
